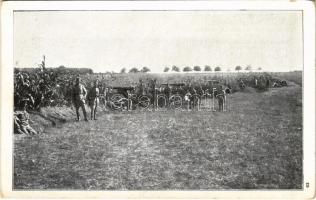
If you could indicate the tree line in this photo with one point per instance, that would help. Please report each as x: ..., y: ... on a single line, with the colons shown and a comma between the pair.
x: 62, y: 69
x: 174, y: 68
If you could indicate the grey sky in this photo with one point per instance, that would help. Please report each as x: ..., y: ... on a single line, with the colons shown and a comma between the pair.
x: 111, y: 40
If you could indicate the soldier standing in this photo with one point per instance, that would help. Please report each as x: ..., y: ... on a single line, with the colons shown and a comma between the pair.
x: 154, y: 92
x: 220, y: 95
x: 167, y: 92
x: 93, y: 98
x: 103, y: 96
x: 221, y: 98
x: 267, y: 82
x: 187, y: 99
x: 79, y: 95
x: 141, y: 88
x: 255, y: 81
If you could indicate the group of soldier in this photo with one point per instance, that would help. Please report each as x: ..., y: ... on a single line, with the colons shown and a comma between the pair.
x: 21, y: 120
x: 80, y: 95
x: 91, y: 97
x: 30, y: 90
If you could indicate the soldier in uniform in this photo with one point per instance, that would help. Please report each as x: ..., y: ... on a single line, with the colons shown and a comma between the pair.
x: 21, y: 121
x: 167, y: 92
x: 79, y: 95
x: 220, y: 95
x: 267, y: 82
x: 140, y: 88
x: 187, y: 99
x: 103, y: 96
x: 153, y: 91
x: 242, y: 84
x: 221, y: 98
x: 255, y: 81
x: 93, y: 98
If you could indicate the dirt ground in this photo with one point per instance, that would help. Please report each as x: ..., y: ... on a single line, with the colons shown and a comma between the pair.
x: 256, y: 144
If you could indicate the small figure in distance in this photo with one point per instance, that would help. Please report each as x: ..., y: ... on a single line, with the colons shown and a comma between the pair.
x: 221, y: 98
x: 79, y: 95
x: 167, y: 92
x: 103, y: 96
x: 187, y: 100
x: 93, y: 98
x: 242, y: 84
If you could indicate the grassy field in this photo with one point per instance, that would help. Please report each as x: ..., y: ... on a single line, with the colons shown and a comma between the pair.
x: 256, y: 144
x: 295, y: 76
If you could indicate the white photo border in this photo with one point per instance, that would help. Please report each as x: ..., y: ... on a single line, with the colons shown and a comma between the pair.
x: 308, y: 9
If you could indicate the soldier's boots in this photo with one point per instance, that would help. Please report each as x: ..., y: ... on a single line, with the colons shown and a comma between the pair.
x: 85, y: 119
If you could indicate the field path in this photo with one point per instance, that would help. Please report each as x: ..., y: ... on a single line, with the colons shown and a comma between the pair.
x: 257, y: 143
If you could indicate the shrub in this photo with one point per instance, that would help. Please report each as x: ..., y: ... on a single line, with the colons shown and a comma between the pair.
x: 207, y: 68
x: 166, y: 69
x: 123, y: 70
x: 197, y: 68
x: 145, y: 69
x: 238, y: 68
x: 133, y: 70
x: 175, y: 68
x: 187, y: 69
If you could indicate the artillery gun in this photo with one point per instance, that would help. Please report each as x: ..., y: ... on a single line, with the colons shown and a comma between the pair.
x: 279, y: 83
x: 172, y: 95
x: 128, y: 98
x: 123, y: 91
x: 119, y: 97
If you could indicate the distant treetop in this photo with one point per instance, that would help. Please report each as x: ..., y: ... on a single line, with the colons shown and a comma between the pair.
x: 187, y: 69
x: 133, y: 70
x: 238, y: 68
x: 123, y: 70
x: 145, y: 69
x: 207, y: 68
x: 175, y: 68
x: 217, y: 69
x: 197, y: 68
x: 166, y: 69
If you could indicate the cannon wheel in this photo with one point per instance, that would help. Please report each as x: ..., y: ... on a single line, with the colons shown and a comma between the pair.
x: 118, y: 101
x: 143, y: 101
x: 161, y: 101
x: 175, y: 102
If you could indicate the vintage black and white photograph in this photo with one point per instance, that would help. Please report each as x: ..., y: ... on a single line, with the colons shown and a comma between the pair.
x: 158, y: 100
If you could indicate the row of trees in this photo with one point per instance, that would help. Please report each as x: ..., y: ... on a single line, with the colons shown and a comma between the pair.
x: 188, y: 69
x: 247, y: 68
x: 135, y: 70
x: 174, y: 68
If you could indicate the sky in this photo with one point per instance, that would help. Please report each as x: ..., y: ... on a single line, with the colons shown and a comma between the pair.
x: 112, y: 40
